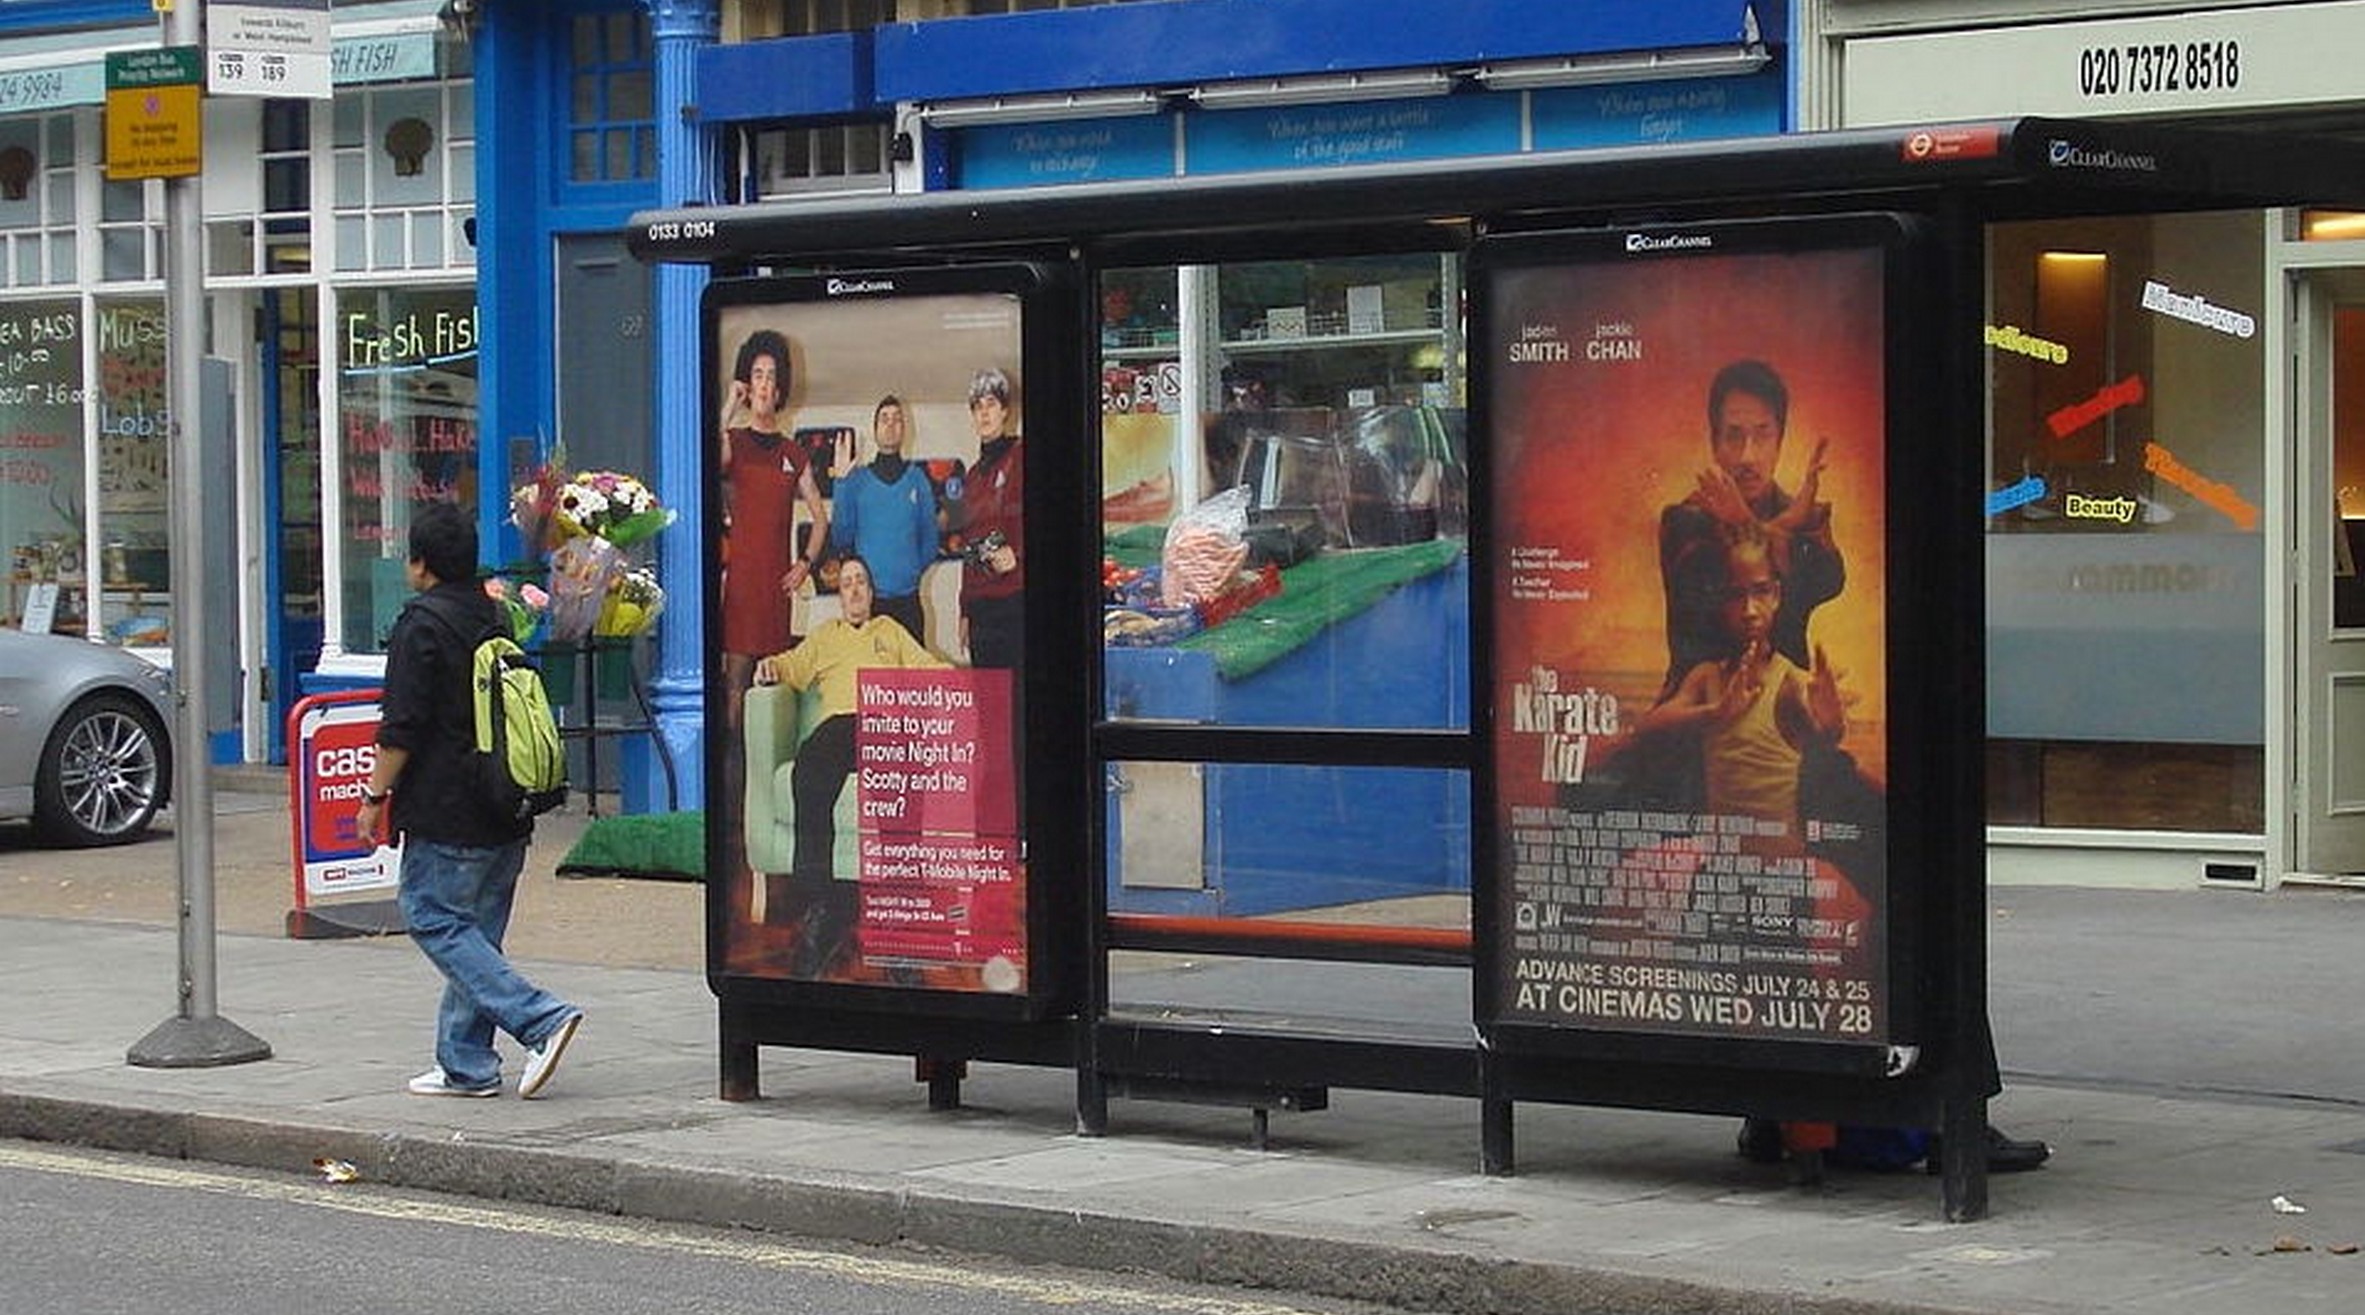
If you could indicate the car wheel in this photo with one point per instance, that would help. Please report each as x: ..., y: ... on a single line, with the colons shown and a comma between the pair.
x: 102, y: 774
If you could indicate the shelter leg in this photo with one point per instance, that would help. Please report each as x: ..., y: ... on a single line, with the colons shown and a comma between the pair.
x: 1092, y: 1103
x: 943, y: 1077
x: 1494, y: 1136
x: 739, y: 1081
x: 1962, y: 1158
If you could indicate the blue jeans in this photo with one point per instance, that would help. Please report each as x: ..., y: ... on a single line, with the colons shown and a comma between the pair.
x: 456, y: 900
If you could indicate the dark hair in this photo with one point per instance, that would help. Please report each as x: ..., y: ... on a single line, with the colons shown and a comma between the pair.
x: 1704, y: 566
x: 443, y: 539
x: 1758, y: 380
x: 890, y: 400
x: 764, y: 342
x: 1748, y: 536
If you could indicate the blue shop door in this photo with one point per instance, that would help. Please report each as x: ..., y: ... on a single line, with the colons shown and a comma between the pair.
x: 290, y: 359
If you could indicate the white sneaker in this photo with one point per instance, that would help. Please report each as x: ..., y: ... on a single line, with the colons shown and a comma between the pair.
x: 542, y: 1060
x: 434, y: 1082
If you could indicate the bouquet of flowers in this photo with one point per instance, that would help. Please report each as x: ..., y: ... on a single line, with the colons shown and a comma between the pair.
x: 585, y: 523
x: 552, y: 508
x: 525, y: 604
x: 634, y: 601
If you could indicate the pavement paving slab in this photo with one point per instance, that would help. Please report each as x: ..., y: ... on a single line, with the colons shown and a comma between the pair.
x: 2188, y: 1054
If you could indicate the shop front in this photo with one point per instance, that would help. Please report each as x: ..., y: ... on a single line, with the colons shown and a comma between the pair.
x: 339, y: 283
x: 2173, y: 403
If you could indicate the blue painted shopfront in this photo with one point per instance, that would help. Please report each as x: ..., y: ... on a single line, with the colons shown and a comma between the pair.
x: 900, y: 74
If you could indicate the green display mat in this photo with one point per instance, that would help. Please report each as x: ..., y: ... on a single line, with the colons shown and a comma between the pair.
x: 1317, y: 593
x: 667, y: 846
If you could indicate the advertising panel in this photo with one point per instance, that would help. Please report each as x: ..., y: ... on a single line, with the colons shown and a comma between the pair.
x: 333, y: 748
x: 868, y: 518
x: 1689, y: 612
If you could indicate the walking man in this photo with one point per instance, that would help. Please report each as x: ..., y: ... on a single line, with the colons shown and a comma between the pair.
x: 460, y: 861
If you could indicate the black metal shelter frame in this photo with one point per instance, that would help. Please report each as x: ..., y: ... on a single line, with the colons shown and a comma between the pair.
x: 1948, y: 180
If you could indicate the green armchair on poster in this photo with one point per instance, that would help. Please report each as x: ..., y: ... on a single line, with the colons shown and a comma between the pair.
x: 777, y: 719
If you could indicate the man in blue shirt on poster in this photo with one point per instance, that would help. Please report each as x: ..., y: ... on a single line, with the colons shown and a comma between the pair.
x: 885, y: 513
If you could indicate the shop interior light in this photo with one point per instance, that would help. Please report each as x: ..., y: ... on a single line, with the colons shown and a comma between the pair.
x: 2332, y: 226
x: 1038, y: 109
x: 1641, y: 66
x: 1323, y: 89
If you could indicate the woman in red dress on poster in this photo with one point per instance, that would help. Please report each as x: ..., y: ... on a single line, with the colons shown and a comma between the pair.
x: 765, y: 473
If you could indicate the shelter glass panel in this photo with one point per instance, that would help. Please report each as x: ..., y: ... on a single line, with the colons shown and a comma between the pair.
x: 1283, y: 494
x: 2126, y: 550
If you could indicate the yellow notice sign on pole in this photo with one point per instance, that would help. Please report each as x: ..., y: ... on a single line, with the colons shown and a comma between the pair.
x: 155, y: 113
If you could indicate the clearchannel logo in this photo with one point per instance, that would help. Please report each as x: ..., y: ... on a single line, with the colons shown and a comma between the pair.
x: 1640, y: 242
x: 856, y: 287
x: 2069, y: 155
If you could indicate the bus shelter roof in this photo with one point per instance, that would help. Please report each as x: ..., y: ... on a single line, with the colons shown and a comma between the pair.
x: 2002, y: 169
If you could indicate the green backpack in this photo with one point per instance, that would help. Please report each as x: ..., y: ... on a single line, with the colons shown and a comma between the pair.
x: 520, y: 763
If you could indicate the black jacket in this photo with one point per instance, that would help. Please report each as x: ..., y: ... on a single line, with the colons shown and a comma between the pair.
x: 429, y: 710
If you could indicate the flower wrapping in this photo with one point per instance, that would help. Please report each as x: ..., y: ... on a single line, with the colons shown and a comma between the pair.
x: 581, y: 569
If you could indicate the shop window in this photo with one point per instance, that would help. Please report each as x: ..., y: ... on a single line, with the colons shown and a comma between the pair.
x: 286, y: 219
x: 407, y: 436
x: 759, y: 19
x: 1256, y: 478
x: 1251, y: 841
x: 1283, y: 509
x: 611, y: 106
x: 131, y: 231
x: 258, y: 191
x: 1358, y: 332
x: 37, y: 200
x: 42, y: 464
x: 810, y: 17
x: 2348, y: 465
x: 405, y: 181
x: 292, y: 316
x: 1031, y: 6
x: 2125, y: 546
x: 2331, y: 225
x: 104, y: 570
x: 836, y: 157
x: 134, y: 448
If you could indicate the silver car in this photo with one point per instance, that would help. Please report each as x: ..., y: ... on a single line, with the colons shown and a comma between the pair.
x: 85, y: 745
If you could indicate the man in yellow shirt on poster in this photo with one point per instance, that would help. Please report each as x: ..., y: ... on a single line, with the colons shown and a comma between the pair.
x: 830, y: 658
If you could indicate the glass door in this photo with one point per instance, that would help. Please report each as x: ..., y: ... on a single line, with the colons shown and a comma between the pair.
x: 292, y: 570
x: 2330, y: 643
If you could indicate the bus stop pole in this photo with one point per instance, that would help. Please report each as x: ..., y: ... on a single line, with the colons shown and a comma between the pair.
x: 196, y: 1036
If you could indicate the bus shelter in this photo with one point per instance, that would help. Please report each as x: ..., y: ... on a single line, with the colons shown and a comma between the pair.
x: 1589, y: 713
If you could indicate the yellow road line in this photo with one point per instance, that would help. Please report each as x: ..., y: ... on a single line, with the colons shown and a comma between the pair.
x: 748, y: 1251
